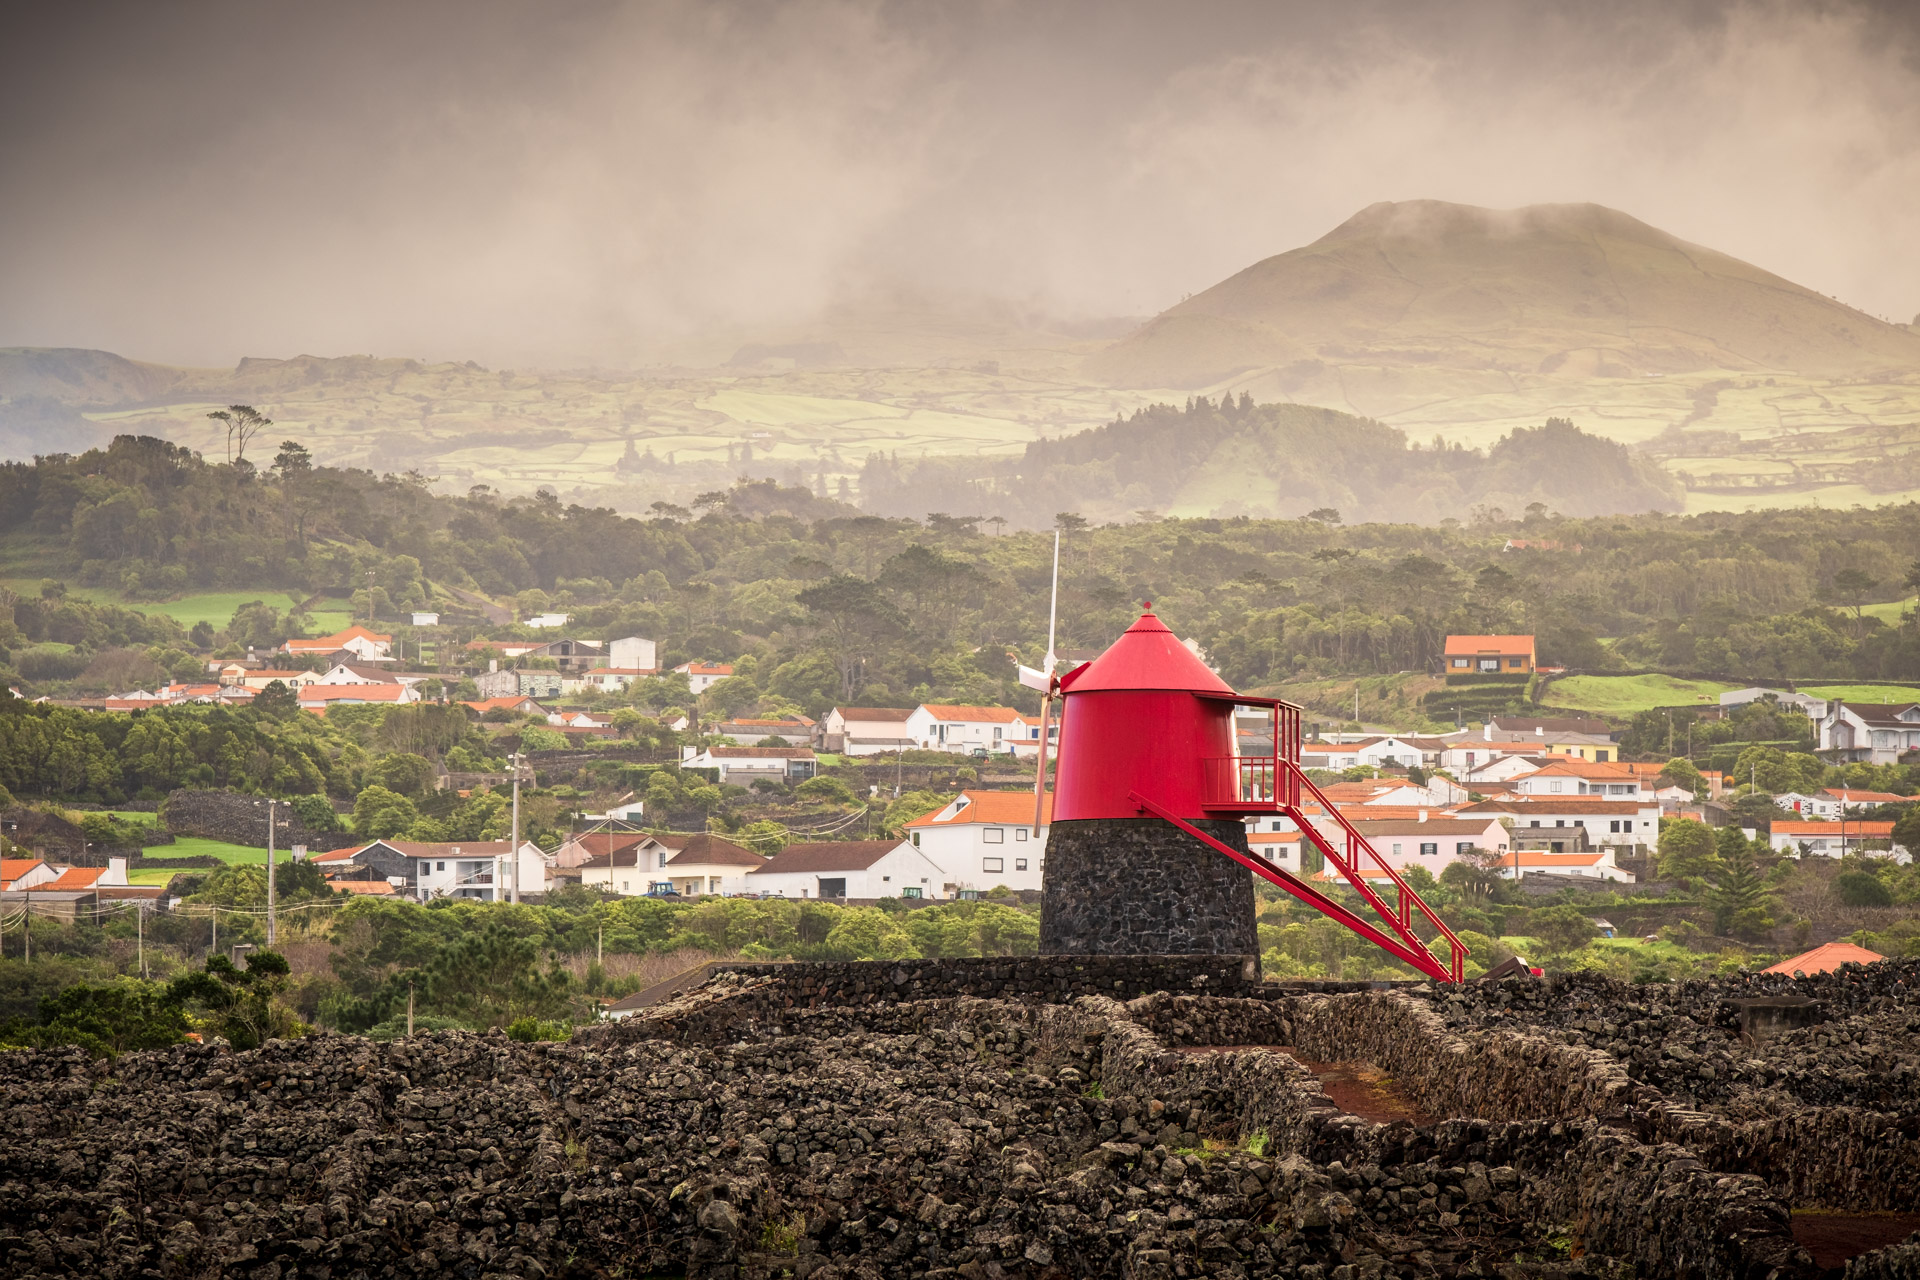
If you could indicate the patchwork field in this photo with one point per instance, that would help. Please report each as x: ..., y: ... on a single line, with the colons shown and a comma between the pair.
x: 1863, y: 692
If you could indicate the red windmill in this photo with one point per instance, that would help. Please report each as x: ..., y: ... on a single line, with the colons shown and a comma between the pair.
x: 1147, y: 729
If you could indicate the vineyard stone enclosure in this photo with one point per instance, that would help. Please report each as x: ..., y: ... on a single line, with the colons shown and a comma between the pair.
x: 1037, y: 1118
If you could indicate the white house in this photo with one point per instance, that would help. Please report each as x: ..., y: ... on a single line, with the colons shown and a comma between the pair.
x: 368, y: 645
x: 1605, y: 822
x: 985, y: 839
x: 702, y: 676
x: 1812, y: 706
x: 358, y: 673
x: 1434, y: 843
x: 423, y: 618
x: 865, y: 731
x: 963, y: 730
x: 481, y: 870
x: 859, y: 869
x: 1583, y: 778
x: 602, y: 680
x: 1833, y: 839
x: 633, y: 653
x: 743, y: 766
x: 1874, y: 732
x: 319, y: 697
x: 1835, y: 802
x: 1597, y: 864
x: 695, y: 865
x: 543, y: 621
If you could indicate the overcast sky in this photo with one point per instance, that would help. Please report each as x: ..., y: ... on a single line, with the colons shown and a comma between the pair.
x: 560, y: 182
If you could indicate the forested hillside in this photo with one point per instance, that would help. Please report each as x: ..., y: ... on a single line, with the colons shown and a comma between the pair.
x: 1264, y: 460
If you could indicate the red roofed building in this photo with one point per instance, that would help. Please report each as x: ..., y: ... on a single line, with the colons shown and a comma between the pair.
x: 357, y: 640
x: 702, y: 676
x: 1825, y: 958
x: 1833, y: 839
x: 25, y: 873
x: 965, y: 730
x: 985, y: 838
x: 319, y: 697
x: 1489, y: 655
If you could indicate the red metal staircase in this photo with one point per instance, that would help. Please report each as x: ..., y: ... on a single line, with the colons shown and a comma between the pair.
x: 1276, y: 784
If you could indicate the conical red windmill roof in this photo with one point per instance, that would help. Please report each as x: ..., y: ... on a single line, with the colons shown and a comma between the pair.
x: 1146, y: 656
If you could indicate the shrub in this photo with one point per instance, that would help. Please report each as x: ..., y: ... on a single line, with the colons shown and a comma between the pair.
x: 1861, y: 889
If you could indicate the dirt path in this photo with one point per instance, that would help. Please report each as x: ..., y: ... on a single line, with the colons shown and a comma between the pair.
x: 1358, y: 1088
x: 1833, y: 1237
x: 496, y: 614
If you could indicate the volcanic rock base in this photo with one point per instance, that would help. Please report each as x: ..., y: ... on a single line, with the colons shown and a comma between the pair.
x: 1141, y: 886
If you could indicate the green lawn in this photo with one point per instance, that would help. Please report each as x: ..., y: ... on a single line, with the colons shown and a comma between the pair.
x: 1624, y: 695
x: 1889, y: 612
x: 193, y: 847
x: 215, y: 608
x: 1864, y: 692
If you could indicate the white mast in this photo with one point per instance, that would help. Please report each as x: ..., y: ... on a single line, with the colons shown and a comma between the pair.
x: 1046, y: 694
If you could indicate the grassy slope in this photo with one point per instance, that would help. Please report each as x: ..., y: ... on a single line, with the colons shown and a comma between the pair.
x: 1624, y: 695
x: 1864, y: 692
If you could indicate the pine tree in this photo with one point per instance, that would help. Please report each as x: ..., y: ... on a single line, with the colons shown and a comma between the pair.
x: 1741, y: 902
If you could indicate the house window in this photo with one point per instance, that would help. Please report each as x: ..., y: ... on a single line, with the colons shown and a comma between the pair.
x: 1019, y: 833
x: 1019, y: 864
x: 1579, y: 822
x: 993, y: 864
x: 1489, y: 664
x: 910, y: 891
x: 1600, y: 756
x: 916, y: 839
x: 439, y: 866
x: 1554, y: 786
x: 1463, y: 846
x: 663, y: 857
x: 1429, y: 848
x: 1514, y: 662
x: 1534, y: 823
x: 625, y: 885
x: 886, y: 879
x: 1460, y: 662
x: 1396, y: 846
x: 994, y: 835
x: 1559, y: 822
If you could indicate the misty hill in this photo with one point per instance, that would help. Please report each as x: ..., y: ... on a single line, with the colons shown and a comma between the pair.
x: 1577, y: 290
x: 1237, y: 458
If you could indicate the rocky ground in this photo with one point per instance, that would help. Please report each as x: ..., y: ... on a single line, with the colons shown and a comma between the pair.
x: 738, y: 1132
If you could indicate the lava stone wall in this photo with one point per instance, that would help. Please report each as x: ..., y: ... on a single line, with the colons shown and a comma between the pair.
x: 237, y: 819
x: 1141, y: 886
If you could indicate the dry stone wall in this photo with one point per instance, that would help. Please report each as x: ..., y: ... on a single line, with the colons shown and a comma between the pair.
x: 238, y: 819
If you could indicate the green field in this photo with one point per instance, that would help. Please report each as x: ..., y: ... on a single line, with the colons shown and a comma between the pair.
x: 1624, y: 695
x: 215, y: 608
x: 1889, y: 612
x: 1863, y: 692
x: 192, y: 847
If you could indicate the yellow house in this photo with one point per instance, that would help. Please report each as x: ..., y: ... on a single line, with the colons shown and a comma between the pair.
x: 1489, y: 655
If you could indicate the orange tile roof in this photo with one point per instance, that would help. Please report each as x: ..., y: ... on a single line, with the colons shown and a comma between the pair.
x: 74, y: 878
x: 1825, y: 958
x: 1575, y: 767
x: 506, y: 703
x: 991, y: 715
x: 363, y: 888
x: 356, y: 692
x: 1003, y: 808
x: 1852, y: 796
x: 705, y: 668
x: 337, y: 855
x: 1503, y: 645
x: 1541, y: 858
x: 1849, y: 827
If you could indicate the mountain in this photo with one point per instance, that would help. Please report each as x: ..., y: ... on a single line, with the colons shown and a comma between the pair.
x: 1576, y: 290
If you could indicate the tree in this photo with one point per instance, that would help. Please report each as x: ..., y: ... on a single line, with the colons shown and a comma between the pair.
x: 243, y: 422
x: 381, y: 814
x: 1906, y: 830
x: 1686, y: 848
x: 910, y: 806
x: 855, y: 620
x: 1861, y: 889
x: 1852, y: 586
x: 1561, y: 929
x: 403, y: 772
x: 1324, y: 515
x: 277, y: 701
x: 1070, y: 522
x: 109, y: 1019
x: 1737, y: 892
x: 243, y: 1004
x: 1680, y: 772
x: 491, y: 978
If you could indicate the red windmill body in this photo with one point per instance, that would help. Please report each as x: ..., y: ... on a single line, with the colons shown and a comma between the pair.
x: 1148, y: 729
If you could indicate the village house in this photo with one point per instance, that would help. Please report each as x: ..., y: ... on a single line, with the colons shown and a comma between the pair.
x: 1564, y: 736
x: 1834, y: 839
x: 985, y: 839
x: 964, y: 730
x: 1434, y: 843
x: 25, y: 873
x: 481, y: 870
x: 583, y: 847
x: 702, y: 676
x: 1602, y: 821
x: 1813, y: 708
x: 258, y: 678
x: 1585, y: 778
x: 1594, y: 864
x: 1489, y: 655
x: 531, y: 683
x: 865, y: 731
x: 603, y: 680
x: 320, y: 697
x: 1869, y: 732
x: 366, y: 645
x: 856, y: 869
x: 517, y: 704
x: 1835, y: 802
x: 743, y: 766
x: 547, y: 621
x: 366, y: 673
x: 703, y: 864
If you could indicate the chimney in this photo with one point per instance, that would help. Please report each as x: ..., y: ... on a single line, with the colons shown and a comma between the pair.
x: 116, y: 872
x: 493, y: 664
x: 1423, y: 815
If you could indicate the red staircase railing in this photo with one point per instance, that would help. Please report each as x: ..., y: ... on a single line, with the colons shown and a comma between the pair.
x: 1277, y: 784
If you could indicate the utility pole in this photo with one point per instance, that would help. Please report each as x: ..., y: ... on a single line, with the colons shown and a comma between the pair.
x: 599, y: 942
x: 26, y: 923
x: 409, y: 1008
x: 272, y: 894
x: 140, y: 934
x: 513, y: 851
